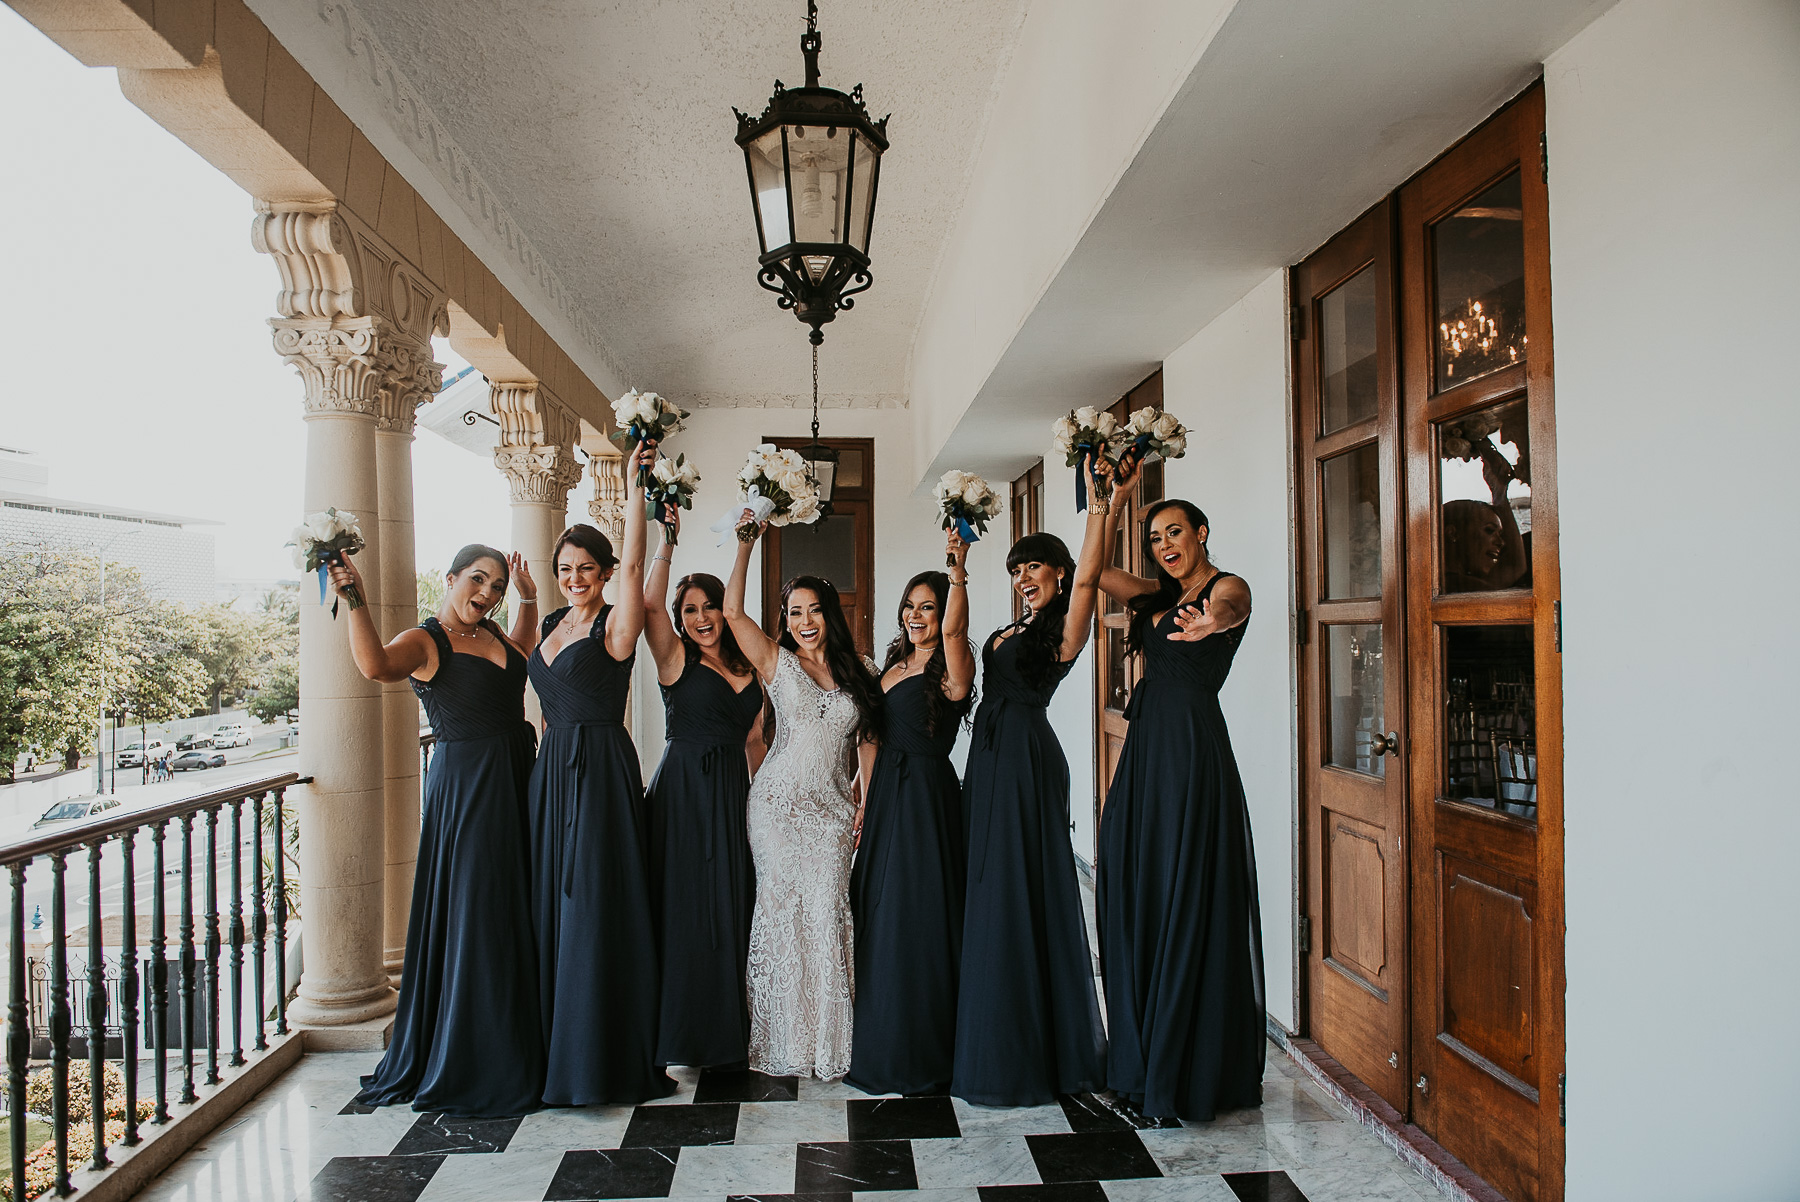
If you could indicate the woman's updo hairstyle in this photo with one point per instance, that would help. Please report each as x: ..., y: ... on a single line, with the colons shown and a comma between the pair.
x: 476, y: 552
x: 588, y: 539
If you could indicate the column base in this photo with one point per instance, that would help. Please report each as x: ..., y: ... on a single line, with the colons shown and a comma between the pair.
x: 371, y: 1036
x: 373, y: 1004
x: 395, y: 962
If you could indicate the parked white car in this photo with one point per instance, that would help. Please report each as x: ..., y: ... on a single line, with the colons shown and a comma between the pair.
x: 231, y: 734
x: 76, y: 811
x: 134, y: 753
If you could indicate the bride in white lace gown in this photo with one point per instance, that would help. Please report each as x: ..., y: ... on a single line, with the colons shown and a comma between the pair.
x: 803, y: 819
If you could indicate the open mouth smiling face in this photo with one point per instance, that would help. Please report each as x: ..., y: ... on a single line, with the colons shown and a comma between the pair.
x: 806, y: 619
x: 919, y: 616
x: 702, y: 620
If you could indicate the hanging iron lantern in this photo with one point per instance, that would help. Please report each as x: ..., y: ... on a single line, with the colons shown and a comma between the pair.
x: 814, y: 160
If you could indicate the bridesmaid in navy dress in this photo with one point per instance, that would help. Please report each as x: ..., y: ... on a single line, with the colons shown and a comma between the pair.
x: 467, y: 1040
x: 596, y: 929
x: 1027, y: 1022
x: 1180, y: 934
x: 700, y: 870
x: 906, y: 890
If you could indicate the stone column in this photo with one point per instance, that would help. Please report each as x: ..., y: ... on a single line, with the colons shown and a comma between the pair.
x: 607, y: 509
x: 409, y: 379
x: 342, y: 813
x: 537, y: 456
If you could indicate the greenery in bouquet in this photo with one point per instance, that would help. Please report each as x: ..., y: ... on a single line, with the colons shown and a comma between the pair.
x: 324, y: 539
x: 967, y: 502
x: 779, y: 479
x: 1150, y: 433
x: 671, y: 486
x: 644, y: 417
x: 1084, y: 437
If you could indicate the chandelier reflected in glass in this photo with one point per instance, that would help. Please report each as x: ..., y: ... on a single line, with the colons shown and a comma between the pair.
x: 1474, y: 339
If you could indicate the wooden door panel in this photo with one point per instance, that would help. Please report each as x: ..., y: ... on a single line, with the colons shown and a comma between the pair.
x: 1356, y: 868
x: 1489, y: 951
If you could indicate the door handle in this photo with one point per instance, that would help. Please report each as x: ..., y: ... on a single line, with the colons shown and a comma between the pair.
x: 1388, y: 744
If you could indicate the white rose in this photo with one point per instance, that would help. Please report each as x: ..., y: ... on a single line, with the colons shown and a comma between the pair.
x: 1087, y: 418
x: 974, y: 492
x: 299, y: 560
x: 991, y: 506
x: 665, y: 471
x: 1166, y: 426
x: 1176, y: 447
x: 322, y: 526
x: 624, y: 407
x: 805, y: 511
x: 792, y: 483
x: 1141, y: 421
x: 1108, y: 425
x: 689, y: 475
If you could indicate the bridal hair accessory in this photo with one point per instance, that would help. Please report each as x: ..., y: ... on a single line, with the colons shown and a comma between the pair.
x: 967, y: 502
x: 325, y: 538
x: 1083, y: 437
x: 644, y: 417
x: 776, y: 489
x: 671, y: 486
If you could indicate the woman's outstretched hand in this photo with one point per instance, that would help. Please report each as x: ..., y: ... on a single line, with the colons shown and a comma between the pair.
x: 1124, y: 478
x: 1196, y: 622
x: 956, y: 552
x: 520, y: 571
x: 345, y: 579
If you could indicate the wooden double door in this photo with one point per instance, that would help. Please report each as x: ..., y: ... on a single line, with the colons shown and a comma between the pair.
x: 839, y: 547
x: 1430, y: 676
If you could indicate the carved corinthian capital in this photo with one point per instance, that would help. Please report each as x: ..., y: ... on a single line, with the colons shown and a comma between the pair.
x: 336, y: 360
x: 608, y: 506
x: 537, y: 443
x: 409, y: 379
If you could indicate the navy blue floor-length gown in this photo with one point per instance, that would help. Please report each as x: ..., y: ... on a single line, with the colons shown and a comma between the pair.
x: 1027, y: 1018
x: 596, y: 930
x: 906, y: 893
x: 1180, y: 932
x: 700, y: 869
x: 467, y: 1037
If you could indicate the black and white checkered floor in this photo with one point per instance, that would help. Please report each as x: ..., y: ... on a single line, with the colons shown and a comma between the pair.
x: 743, y: 1135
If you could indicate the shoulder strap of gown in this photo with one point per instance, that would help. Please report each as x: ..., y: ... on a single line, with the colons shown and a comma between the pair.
x: 435, y: 629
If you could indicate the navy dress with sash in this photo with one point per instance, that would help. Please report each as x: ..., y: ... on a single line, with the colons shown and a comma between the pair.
x: 467, y: 1037
x: 700, y: 869
x: 1027, y: 1019
x: 596, y: 932
x: 1180, y: 930
x: 906, y: 892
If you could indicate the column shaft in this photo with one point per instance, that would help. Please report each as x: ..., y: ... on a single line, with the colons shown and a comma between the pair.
x: 399, y: 707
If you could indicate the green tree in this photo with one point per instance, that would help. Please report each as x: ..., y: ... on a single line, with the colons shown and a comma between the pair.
x: 238, y: 645
x: 278, y: 696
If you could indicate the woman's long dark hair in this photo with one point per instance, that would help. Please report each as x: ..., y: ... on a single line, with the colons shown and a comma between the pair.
x: 1168, y: 589
x: 714, y: 591
x: 939, y: 709
x: 1040, y: 644
x: 847, y: 667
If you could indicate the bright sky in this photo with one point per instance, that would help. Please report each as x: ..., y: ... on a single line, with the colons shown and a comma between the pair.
x: 138, y: 354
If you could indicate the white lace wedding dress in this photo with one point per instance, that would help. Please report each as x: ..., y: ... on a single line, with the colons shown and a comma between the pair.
x: 801, y: 816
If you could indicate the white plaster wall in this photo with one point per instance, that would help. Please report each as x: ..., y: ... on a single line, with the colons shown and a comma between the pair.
x: 1229, y: 385
x: 907, y: 536
x: 1674, y: 138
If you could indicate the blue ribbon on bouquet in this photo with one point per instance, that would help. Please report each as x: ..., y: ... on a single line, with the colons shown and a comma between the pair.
x: 322, y: 573
x: 965, y: 531
x: 1084, y: 462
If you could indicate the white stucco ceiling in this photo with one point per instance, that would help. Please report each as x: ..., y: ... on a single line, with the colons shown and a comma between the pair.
x: 604, y: 131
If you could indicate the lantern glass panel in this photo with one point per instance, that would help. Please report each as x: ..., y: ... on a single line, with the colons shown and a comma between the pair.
x: 817, y: 158
x: 862, y: 192
x: 770, y: 183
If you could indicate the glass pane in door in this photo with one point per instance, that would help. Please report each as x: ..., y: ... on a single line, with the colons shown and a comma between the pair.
x: 1479, y: 285
x: 1490, y: 718
x: 1353, y: 717
x: 1351, y: 523
x: 1484, y: 486
x: 826, y: 548
x: 1347, y: 353
x: 1118, y: 691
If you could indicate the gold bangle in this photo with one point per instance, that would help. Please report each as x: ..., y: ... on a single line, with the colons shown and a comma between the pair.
x: 1100, y: 506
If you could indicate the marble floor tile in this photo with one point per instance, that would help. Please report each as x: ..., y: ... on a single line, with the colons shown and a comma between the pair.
x: 1169, y: 1189
x: 373, y: 1179
x: 1092, y: 1156
x: 490, y: 1177
x: 745, y: 1086
x: 1287, y: 1101
x: 971, y: 1162
x: 572, y: 1128
x: 682, y: 1126
x: 1364, y: 1181
x: 360, y: 1134
x: 1270, y: 1186
x: 436, y: 1133
x: 793, y: 1123
x: 1221, y: 1148
x: 855, y: 1167
x: 1010, y: 1120
x: 902, y: 1118
x: 1070, y: 1191
x: 921, y: 1195
x: 1331, y: 1144
x: 734, y: 1169
x: 814, y: 1090
x: 621, y: 1173
x: 687, y: 1080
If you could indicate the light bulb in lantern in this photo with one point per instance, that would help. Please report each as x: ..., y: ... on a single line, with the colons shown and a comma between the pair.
x: 812, y: 204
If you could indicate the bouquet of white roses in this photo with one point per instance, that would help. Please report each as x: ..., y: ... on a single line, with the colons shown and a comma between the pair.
x: 1463, y: 440
x: 1150, y: 432
x: 777, y: 489
x: 1083, y: 438
x: 671, y: 486
x: 325, y: 539
x: 968, y: 503
x: 642, y: 416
